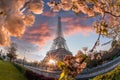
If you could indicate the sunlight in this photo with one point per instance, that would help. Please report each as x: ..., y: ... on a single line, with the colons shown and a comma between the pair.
x: 52, y: 61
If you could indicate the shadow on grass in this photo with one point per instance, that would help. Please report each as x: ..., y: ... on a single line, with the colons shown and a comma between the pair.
x: 30, y: 75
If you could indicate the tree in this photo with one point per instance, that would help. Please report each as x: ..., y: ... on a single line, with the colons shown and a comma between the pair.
x: 72, y: 66
x: 112, y: 75
x: 12, y: 52
x: 85, y: 49
x: 106, y: 12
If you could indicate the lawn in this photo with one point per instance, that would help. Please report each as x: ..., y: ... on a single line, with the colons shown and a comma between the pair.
x: 9, y: 72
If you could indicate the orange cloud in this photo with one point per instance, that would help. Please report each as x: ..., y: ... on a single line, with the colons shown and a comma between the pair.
x: 43, y: 33
x: 76, y: 29
x: 49, y: 14
x: 67, y: 19
x: 70, y: 20
x: 39, y: 35
x: 74, y: 26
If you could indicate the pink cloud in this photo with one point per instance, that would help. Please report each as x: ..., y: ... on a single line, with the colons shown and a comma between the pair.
x: 76, y: 29
x: 73, y: 27
x: 39, y: 35
x: 70, y: 20
x: 49, y: 14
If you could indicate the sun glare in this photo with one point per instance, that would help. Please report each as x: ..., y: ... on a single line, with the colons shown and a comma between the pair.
x: 51, y: 61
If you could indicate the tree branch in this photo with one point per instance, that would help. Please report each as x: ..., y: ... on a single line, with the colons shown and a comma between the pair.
x: 96, y: 43
x: 112, y: 14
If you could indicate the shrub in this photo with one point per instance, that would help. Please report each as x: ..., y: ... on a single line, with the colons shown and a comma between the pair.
x: 34, y: 76
x: 112, y: 75
x: 20, y: 68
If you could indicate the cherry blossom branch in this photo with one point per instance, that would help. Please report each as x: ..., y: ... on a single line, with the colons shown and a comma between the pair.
x: 112, y: 14
x: 96, y: 43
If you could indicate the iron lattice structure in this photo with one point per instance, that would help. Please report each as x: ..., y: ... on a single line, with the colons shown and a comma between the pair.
x: 59, y: 41
x: 59, y: 48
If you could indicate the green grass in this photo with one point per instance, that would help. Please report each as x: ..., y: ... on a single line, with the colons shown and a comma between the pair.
x: 9, y: 72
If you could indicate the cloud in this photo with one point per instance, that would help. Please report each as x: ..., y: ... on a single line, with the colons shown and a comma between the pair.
x: 76, y: 26
x: 23, y: 45
x: 25, y: 48
x: 70, y: 20
x: 39, y: 35
x: 43, y: 33
x: 49, y: 14
x: 77, y: 29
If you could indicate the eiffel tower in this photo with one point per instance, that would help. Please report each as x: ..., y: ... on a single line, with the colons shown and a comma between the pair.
x: 59, y: 47
x: 59, y: 41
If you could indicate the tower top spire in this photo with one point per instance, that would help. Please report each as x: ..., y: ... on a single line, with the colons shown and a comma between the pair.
x: 59, y: 29
x: 59, y: 41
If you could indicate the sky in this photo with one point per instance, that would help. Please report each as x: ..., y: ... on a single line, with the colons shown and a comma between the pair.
x: 77, y: 30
